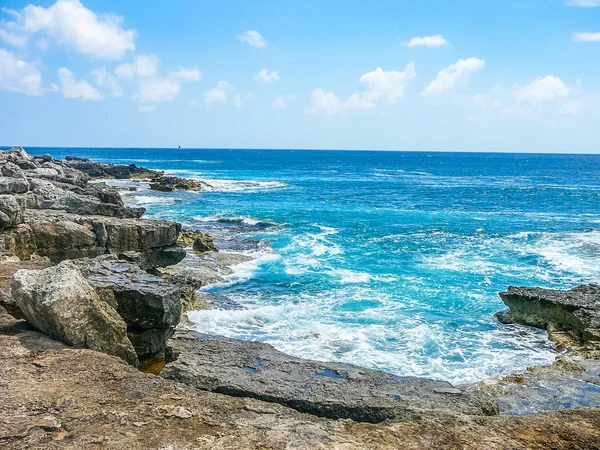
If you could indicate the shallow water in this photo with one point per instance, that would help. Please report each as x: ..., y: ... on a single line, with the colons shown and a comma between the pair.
x: 386, y: 260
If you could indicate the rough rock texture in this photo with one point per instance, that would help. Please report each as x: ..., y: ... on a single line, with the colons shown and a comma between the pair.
x: 11, y: 212
x: 119, y: 171
x: 58, y: 397
x: 170, y: 184
x: 257, y: 370
x: 149, y: 305
x: 59, y: 302
x: 576, y: 311
x: 59, y: 235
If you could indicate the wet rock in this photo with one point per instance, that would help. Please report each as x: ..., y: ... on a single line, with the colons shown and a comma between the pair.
x: 11, y: 212
x: 253, y: 369
x: 170, y: 184
x: 61, y: 303
x: 575, y: 311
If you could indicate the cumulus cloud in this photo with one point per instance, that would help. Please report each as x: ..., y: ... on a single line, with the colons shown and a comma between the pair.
x: 453, y: 74
x: 146, y: 109
x: 583, y: 3
x: 253, y: 38
x: 283, y: 101
x: 106, y: 82
x: 377, y: 88
x: 542, y: 90
x: 586, y: 37
x: 530, y: 100
x: 71, y: 24
x: 19, y: 76
x: 157, y: 89
x: 219, y: 94
x: 80, y: 90
x: 264, y: 76
x: 143, y: 66
x: 428, y: 41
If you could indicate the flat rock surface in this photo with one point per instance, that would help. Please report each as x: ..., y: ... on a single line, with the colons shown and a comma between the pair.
x: 257, y: 370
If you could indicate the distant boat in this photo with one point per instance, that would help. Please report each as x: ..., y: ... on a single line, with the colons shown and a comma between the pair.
x: 179, y: 146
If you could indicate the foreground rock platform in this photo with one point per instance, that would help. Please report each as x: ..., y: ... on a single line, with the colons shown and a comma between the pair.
x: 57, y: 397
x: 257, y: 370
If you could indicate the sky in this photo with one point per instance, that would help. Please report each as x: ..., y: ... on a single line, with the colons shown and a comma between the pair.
x: 461, y: 75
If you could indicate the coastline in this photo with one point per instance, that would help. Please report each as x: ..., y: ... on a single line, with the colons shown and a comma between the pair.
x: 142, y: 248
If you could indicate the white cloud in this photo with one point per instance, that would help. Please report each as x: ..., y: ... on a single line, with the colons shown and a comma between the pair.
x: 572, y: 108
x: 143, y: 66
x: 253, y: 38
x: 80, y: 90
x: 219, y: 93
x: 147, y: 109
x: 283, y: 101
x: 377, y: 88
x: 264, y: 76
x: 586, y: 37
x: 541, y: 90
x: 104, y: 80
x: 157, y: 89
x: 237, y: 100
x: 583, y: 3
x: 187, y: 74
x: 18, y: 76
x: 453, y: 74
x: 74, y: 26
x: 428, y: 41
x: 380, y: 87
x: 325, y: 103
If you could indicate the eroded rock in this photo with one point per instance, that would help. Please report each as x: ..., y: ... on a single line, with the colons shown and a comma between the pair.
x: 60, y: 302
x: 334, y: 390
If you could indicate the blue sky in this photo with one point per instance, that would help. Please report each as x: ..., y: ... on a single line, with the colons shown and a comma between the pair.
x: 466, y: 75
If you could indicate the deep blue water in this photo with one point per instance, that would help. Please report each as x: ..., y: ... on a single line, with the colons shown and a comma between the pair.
x: 390, y: 260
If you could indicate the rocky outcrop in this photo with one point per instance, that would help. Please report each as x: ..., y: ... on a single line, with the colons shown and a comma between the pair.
x: 200, y: 242
x: 11, y: 212
x: 334, y: 390
x: 575, y: 311
x: 149, y: 305
x: 59, y: 302
x: 119, y: 171
x: 60, y: 235
x: 170, y: 184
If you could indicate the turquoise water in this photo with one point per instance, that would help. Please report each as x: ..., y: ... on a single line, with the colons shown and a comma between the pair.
x: 390, y: 260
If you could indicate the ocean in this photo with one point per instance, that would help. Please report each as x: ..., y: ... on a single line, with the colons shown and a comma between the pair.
x: 388, y: 260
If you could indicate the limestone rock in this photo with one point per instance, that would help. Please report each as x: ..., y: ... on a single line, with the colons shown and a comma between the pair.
x: 61, y: 303
x: 11, y: 212
x: 576, y: 311
x: 334, y: 390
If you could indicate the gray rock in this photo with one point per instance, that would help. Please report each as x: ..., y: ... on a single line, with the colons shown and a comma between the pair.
x: 204, y: 244
x: 119, y: 171
x: 170, y: 184
x: 11, y: 212
x: 61, y: 303
x: 252, y: 369
x: 11, y: 170
x: 576, y: 311
x: 143, y: 300
x: 155, y: 258
x: 9, y: 185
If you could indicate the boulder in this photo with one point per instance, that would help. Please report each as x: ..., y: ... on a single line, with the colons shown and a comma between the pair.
x: 11, y: 170
x: 149, y: 305
x: 10, y: 185
x: 200, y: 242
x: 11, y: 212
x: 334, y: 390
x: 170, y: 184
x: 60, y: 302
x: 575, y: 311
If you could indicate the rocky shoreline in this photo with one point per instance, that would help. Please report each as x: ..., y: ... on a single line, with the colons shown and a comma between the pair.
x: 87, y: 271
